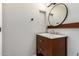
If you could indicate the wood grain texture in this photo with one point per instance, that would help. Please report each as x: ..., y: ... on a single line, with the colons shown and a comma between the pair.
x: 51, y: 47
x: 69, y: 25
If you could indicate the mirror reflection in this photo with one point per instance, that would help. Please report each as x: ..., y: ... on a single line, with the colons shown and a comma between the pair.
x: 57, y: 14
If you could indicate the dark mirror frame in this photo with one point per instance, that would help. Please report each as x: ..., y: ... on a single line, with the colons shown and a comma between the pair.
x: 63, y: 19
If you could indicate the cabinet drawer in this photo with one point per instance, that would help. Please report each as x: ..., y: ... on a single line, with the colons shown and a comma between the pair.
x: 45, y: 52
x: 43, y: 43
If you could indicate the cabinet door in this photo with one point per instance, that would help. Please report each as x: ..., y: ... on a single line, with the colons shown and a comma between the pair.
x: 59, y: 47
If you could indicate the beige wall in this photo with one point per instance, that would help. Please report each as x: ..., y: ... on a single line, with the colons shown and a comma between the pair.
x: 19, y: 32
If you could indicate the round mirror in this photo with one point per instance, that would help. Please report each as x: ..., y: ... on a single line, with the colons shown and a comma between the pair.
x: 58, y: 14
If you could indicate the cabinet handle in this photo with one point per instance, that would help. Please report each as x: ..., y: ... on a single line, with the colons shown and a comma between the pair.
x: 40, y: 40
x: 40, y: 49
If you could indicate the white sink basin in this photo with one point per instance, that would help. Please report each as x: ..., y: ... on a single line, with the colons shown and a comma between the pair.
x: 51, y: 36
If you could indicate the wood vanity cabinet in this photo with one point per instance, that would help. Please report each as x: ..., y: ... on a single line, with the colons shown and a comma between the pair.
x: 51, y: 47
